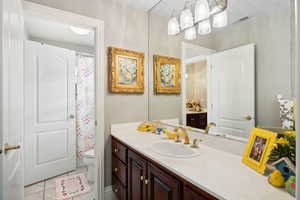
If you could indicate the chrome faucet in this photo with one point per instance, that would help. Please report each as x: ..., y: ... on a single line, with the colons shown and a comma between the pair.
x: 209, y: 125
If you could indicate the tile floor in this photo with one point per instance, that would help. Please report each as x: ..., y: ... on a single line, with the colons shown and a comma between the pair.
x: 46, y: 190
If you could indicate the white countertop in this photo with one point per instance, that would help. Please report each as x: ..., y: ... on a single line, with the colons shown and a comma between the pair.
x: 217, y: 172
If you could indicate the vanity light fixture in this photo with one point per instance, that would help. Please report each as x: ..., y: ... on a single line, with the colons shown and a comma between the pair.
x: 186, y: 16
x: 204, y: 11
x: 190, y: 33
x: 220, y: 19
x: 204, y: 27
x: 173, y: 26
x: 80, y: 31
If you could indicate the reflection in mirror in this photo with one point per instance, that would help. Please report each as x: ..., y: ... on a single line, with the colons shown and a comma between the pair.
x: 232, y: 70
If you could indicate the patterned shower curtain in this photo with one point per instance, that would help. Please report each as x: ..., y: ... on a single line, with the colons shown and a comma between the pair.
x: 85, y: 105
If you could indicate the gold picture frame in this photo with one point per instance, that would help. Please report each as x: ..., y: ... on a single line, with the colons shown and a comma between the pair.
x: 258, y: 149
x: 166, y: 75
x: 126, y: 71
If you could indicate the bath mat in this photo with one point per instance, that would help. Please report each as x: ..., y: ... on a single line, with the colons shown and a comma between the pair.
x: 71, y: 186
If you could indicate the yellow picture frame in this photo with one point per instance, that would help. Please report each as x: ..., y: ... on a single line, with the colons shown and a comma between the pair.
x: 126, y: 71
x: 166, y: 84
x: 258, y: 149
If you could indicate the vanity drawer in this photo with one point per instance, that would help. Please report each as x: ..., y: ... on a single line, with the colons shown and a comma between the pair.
x: 119, y: 150
x: 197, y: 120
x: 118, y: 189
x: 119, y: 169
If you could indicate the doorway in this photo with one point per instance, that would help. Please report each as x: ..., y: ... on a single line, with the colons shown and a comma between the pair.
x: 63, y: 113
x: 195, y: 85
x: 196, y: 94
x: 219, y: 90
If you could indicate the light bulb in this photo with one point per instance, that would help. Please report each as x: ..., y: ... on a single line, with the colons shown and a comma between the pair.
x: 190, y: 33
x: 173, y: 26
x: 186, y: 19
x: 204, y: 27
x: 201, y: 10
x: 220, y: 20
x: 80, y: 31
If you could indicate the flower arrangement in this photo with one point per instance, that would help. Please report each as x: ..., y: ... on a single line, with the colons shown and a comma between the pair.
x: 284, y: 147
x: 193, y: 105
x: 283, y: 161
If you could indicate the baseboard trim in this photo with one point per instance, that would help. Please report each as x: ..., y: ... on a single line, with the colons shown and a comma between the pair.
x: 109, y: 194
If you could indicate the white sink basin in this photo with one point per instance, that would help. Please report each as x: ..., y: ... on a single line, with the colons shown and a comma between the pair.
x: 177, y: 150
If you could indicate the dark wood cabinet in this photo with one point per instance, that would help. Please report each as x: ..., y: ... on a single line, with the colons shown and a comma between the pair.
x: 137, y: 172
x: 162, y: 186
x: 119, y: 150
x: 197, y: 120
x: 136, y: 177
x: 119, y: 170
x: 192, y: 193
x: 119, y: 189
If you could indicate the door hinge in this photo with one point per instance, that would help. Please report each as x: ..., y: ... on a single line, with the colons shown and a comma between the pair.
x: 96, y: 123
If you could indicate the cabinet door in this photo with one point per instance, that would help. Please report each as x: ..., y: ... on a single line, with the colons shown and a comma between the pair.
x: 162, y: 186
x: 196, y: 194
x: 137, y: 167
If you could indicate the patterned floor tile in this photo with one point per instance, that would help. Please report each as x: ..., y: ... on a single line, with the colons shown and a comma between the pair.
x: 34, y: 196
x: 35, y: 188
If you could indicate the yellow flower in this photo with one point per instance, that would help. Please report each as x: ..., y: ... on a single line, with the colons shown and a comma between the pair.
x: 292, y: 133
x: 282, y: 141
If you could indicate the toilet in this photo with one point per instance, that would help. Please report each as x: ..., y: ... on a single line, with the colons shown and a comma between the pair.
x: 89, y: 161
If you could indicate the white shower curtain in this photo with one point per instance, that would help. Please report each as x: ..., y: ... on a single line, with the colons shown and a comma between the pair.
x: 85, y: 105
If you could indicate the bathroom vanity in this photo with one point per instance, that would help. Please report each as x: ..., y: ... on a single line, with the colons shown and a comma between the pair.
x: 196, y: 119
x: 135, y: 176
x: 139, y: 172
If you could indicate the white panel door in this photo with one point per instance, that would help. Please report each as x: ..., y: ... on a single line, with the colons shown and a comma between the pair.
x: 232, y: 91
x: 11, y: 100
x: 50, y: 138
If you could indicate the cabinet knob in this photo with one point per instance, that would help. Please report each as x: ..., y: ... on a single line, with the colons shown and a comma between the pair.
x: 116, y: 169
x: 116, y: 190
x: 142, y: 178
x: 146, y: 181
x: 116, y: 150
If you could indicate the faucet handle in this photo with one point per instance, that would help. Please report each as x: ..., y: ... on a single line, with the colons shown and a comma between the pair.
x: 196, y: 143
x: 177, y: 138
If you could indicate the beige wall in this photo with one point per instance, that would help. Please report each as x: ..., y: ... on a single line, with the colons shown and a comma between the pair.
x: 162, y: 106
x: 125, y: 28
x: 196, y: 82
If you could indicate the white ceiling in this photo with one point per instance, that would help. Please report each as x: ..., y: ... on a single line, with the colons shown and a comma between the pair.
x: 53, y: 31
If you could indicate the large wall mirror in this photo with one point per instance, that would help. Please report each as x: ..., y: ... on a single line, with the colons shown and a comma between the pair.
x: 233, y: 65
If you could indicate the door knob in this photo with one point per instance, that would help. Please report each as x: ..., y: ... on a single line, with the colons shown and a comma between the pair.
x: 7, y: 147
x: 72, y: 116
x: 248, y: 117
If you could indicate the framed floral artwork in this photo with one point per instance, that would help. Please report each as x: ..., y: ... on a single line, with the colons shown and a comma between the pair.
x: 166, y: 75
x: 258, y: 149
x: 126, y: 71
